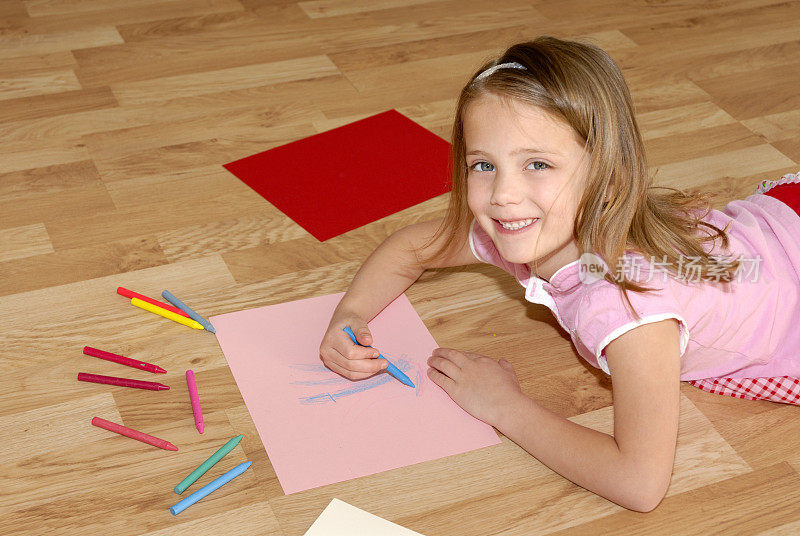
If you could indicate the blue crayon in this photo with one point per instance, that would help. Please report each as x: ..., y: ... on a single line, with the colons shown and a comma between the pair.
x: 212, y: 486
x: 391, y: 369
x: 188, y: 310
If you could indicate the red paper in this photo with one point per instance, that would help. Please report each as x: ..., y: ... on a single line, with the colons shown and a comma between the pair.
x: 336, y: 181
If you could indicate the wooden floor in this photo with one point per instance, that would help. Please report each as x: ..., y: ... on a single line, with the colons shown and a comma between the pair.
x: 115, y: 119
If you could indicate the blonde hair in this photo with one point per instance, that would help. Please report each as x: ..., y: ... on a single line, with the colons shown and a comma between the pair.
x: 620, y: 210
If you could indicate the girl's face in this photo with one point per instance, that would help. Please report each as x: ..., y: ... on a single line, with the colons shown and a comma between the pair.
x: 526, y: 172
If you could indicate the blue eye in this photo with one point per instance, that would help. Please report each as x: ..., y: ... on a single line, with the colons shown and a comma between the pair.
x: 472, y: 167
x: 538, y: 166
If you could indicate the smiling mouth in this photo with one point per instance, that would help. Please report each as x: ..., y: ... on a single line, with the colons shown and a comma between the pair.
x: 516, y: 225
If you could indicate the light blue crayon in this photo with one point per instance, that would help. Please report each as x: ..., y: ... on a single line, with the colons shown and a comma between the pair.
x: 391, y: 369
x: 212, y: 486
x: 188, y: 310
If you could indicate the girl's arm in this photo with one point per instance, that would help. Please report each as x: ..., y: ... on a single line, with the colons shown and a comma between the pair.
x: 387, y: 273
x: 633, y: 467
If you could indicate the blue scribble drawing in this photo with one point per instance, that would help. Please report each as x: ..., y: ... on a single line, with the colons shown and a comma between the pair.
x: 349, y: 388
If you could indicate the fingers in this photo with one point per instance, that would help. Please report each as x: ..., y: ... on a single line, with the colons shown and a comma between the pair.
x: 360, y: 330
x: 355, y: 362
x: 349, y: 374
x: 363, y: 336
x: 444, y: 365
x: 506, y: 365
x: 458, y: 358
x: 441, y: 380
x: 340, y: 354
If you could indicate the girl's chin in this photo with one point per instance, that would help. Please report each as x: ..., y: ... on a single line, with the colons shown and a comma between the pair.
x: 515, y: 257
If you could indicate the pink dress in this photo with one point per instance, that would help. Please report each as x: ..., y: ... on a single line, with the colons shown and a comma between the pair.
x: 738, y: 338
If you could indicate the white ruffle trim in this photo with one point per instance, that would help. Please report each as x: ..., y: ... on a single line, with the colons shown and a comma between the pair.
x: 684, y: 335
x: 767, y: 185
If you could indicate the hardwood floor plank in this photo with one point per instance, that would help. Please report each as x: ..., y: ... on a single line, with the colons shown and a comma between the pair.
x: 78, y: 264
x: 25, y: 241
x: 489, y: 41
x: 256, y: 519
x: 189, y: 53
x: 701, y: 142
x: 56, y: 153
x: 763, y: 159
x: 121, y: 15
x: 51, y: 428
x: 236, y: 235
x: 752, y: 99
x: 61, y: 60
x: 790, y: 148
x: 316, y: 9
x: 38, y: 84
x: 53, y: 104
x: 39, y: 8
x: 776, y: 127
x: 147, y: 150
x: 758, y: 498
x: 271, y: 103
x: 682, y: 120
x: 133, y: 219
x: 425, y: 21
x: 12, y: 9
x: 26, y: 44
x: 167, y: 30
x: 233, y: 78
x: 51, y: 192
x: 696, y: 28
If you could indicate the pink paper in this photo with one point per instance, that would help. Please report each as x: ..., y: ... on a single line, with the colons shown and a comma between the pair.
x: 318, y: 427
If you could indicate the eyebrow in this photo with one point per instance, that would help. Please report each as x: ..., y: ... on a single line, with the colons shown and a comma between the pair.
x: 522, y: 150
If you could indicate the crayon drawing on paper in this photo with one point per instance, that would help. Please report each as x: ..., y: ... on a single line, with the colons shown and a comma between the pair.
x: 318, y: 427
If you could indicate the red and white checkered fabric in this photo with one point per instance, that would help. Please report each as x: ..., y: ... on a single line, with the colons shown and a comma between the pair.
x: 784, y: 389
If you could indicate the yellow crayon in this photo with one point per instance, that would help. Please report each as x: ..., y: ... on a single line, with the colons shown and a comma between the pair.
x: 166, y: 314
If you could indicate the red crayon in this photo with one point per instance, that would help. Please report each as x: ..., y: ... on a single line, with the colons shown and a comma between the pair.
x: 131, y: 294
x: 133, y: 434
x: 122, y: 382
x: 122, y: 360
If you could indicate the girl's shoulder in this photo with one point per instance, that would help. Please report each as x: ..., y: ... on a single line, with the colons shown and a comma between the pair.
x: 603, y: 313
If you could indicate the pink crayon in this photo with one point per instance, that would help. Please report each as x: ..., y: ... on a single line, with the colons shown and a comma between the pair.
x: 133, y: 434
x: 122, y: 382
x: 122, y: 360
x: 198, y: 413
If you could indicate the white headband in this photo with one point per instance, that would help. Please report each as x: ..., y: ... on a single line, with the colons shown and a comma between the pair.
x: 492, y: 69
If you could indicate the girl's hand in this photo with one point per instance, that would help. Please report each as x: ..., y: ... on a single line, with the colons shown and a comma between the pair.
x: 483, y: 387
x: 343, y: 356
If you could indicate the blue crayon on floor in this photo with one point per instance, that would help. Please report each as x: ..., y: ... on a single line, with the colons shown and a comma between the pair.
x: 391, y: 369
x: 188, y: 310
x: 212, y: 486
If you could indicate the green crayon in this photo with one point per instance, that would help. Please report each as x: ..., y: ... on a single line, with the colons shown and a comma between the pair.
x: 208, y: 464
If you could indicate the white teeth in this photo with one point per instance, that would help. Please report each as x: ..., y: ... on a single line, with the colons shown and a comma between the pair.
x: 515, y: 225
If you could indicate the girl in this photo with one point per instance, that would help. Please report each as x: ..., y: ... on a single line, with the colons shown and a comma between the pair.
x: 550, y: 184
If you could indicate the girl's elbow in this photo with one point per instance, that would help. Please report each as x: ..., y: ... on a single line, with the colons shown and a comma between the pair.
x: 646, y: 504
x: 648, y: 494
x: 642, y: 485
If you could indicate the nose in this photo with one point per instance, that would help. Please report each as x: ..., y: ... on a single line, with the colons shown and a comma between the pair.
x: 506, y: 189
